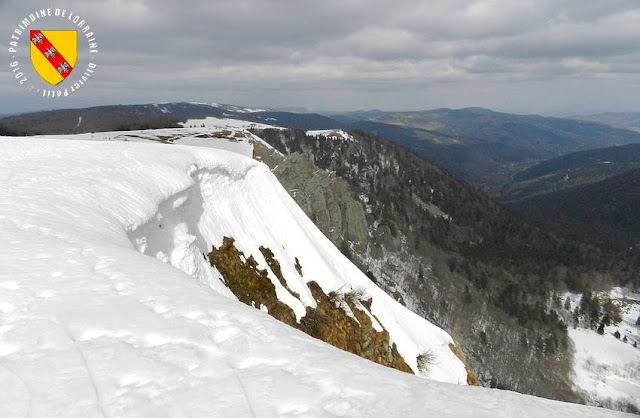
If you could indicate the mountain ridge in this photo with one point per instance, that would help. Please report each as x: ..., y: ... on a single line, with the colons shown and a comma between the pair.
x: 599, y: 211
x: 148, y: 116
x: 487, y: 147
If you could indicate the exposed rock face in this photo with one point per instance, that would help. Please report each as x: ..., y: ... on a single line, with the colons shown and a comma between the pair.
x: 343, y: 320
x: 331, y: 323
x: 355, y: 222
x: 326, y: 198
x: 250, y: 284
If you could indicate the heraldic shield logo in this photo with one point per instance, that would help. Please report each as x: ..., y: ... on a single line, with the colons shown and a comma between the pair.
x: 54, y: 53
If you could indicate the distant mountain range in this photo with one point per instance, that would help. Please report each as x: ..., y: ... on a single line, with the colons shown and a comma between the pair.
x: 572, y: 170
x: 623, y: 120
x: 487, y: 147
x: 588, y: 195
x: 149, y: 116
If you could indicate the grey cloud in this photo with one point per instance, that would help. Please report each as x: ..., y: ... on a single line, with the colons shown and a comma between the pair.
x: 354, y: 54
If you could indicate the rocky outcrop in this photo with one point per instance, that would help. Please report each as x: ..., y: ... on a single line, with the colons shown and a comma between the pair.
x: 326, y: 197
x: 343, y: 320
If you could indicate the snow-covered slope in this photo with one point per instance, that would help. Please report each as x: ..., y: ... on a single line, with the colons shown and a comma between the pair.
x: 233, y: 108
x: 221, y: 123
x: 91, y: 326
x: 608, y: 368
x: 203, y: 197
x: 331, y: 134
x: 227, y: 134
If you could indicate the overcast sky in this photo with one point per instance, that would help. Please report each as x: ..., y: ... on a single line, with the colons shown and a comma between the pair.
x: 540, y: 56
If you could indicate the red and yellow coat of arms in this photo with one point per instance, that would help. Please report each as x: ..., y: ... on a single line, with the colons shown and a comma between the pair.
x: 54, y: 53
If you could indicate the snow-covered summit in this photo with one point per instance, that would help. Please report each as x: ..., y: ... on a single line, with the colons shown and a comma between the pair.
x: 90, y: 325
x: 226, y: 123
x: 331, y: 134
x: 192, y: 208
x: 227, y: 134
x: 233, y: 108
